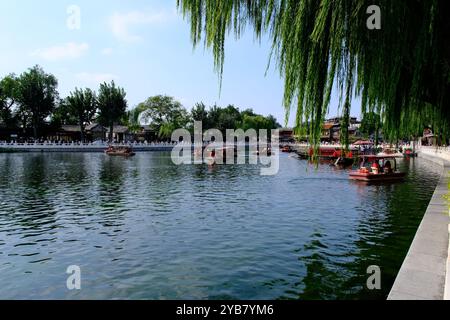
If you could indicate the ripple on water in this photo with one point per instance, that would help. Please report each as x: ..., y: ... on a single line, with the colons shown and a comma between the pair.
x: 144, y: 228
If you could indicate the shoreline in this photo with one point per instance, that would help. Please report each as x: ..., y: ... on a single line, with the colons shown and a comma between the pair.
x: 425, y: 272
x: 69, y: 147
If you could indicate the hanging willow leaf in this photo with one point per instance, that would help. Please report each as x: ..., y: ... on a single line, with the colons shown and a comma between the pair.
x: 401, y: 71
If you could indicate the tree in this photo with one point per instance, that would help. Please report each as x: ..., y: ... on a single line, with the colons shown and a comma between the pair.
x: 82, y: 105
x: 318, y: 44
x: 165, y: 114
x: 257, y: 122
x: 36, y: 95
x: 231, y: 118
x: 112, y: 105
x: 8, y: 97
x: 62, y: 115
x: 371, y: 125
x: 134, y: 116
x: 199, y: 113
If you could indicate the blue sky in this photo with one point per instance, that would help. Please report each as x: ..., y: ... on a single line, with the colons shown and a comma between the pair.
x: 144, y: 45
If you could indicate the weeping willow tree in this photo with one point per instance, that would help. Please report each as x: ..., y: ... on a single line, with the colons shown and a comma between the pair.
x: 401, y: 71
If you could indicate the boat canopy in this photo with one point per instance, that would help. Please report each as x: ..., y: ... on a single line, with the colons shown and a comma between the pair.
x: 363, y: 143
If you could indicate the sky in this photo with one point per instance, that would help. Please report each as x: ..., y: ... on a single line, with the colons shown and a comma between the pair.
x: 144, y: 46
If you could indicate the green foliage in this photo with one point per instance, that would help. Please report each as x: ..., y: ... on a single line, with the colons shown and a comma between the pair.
x: 224, y: 118
x: 36, y: 96
x: 112, y: 105
x: 133, y: 118
x: 164, y: 113
x: 401, y: 71
x: 231, y: 118
x: 258, y: 122
x: 81, y: 105
x: 62, y: 115
x: 199, y: 113
x: 370, y: 124
x: 8, y: 97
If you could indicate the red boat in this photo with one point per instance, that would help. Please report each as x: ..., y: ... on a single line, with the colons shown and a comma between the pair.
x: 409, y: 153
x: 286, y: 149
x: 331, y: 152
x: 380, y: 170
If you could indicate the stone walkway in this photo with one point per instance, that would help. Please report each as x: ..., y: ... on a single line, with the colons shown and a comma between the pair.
x: 424, y: 270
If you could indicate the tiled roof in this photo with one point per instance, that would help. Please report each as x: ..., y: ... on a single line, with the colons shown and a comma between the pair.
x: 70, y: 128
x: 119, y: 129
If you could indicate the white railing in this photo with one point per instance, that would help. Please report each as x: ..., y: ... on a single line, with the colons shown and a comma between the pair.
x: 63, y: 145
x: 440, y: 152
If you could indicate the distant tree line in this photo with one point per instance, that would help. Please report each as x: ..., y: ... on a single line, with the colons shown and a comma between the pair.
x: 31, y: 102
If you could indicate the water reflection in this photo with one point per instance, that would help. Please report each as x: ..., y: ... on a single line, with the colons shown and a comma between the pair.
x: 145, y: 228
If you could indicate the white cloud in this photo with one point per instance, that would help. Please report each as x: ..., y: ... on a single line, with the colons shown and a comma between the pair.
x: 107, y: 51
x: 120, y: 23
x: 70, y: 50
x: 96, y: 78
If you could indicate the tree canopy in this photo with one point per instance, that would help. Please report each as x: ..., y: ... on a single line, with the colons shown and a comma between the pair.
x: 401, y: 71
x: 370, y: 125
x: 231, y: 117
x: 164, y: 113
x: 31, y: 100
x: 37, y: 96
x: 82, y: 105
x: 8, y: 97
x: 112, y: 105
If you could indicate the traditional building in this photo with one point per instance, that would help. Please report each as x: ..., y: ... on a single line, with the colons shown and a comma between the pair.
x: 121, y: 134
x: 146, y: 134
x: 70, y: 133
x: 286, y: 135
x: 331, y: 129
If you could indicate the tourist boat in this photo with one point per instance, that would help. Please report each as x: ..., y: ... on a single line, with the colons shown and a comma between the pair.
x: 213, y: 154
x: 408, y: 152
x: 391, y: 152
x: 380, y: 169
x: 286, y: 149
x: 335, y: 155
x: 123, y: 151
x: 332, y: 152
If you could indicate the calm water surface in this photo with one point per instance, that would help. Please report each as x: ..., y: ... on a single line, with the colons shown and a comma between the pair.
x: 143, y: 228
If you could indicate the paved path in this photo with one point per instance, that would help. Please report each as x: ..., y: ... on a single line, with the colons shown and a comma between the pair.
x: 424, y: 270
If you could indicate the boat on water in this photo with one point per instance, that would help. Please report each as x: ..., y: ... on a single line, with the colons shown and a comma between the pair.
x: 215, y: 155
x: 123, y: 151
x: 332, y: 152
x: 409, y: 153
x: 286, y: 149
x: 336, y: 155
x: 390, y: 152
x: 376, y: 168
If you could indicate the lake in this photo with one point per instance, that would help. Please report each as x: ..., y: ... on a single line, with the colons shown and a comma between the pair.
x: 143, y: 228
